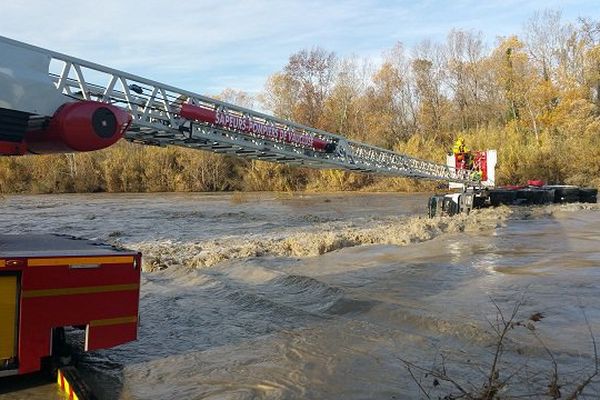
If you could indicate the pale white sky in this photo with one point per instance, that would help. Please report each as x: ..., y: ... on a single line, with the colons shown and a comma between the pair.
x: 208, y: 45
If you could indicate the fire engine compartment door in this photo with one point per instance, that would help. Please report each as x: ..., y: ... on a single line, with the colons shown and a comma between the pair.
x: 8, y: 316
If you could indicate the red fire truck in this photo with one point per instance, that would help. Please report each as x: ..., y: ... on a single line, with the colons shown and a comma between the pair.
x: 50, y: 282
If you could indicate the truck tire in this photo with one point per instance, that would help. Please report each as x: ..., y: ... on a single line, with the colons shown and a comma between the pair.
x: 566, y: 194
x: 588, y: 195
x: 536, y: 196
x: 549, y: 195
x: 479, y: 201
x: 500, y: 196
x: 435, y: 206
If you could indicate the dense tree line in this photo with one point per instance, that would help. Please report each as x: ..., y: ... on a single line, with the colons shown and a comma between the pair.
x: 535, y: 98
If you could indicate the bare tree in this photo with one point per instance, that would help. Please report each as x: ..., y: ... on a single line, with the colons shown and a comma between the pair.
x: 545, y: 36
x: 427, y: 67
x: 499, y: 374
x: 237, y: 97
x: 311, y: 74
x: 463, y: 56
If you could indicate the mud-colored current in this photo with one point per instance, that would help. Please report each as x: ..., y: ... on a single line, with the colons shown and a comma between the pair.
x: 334, y: 296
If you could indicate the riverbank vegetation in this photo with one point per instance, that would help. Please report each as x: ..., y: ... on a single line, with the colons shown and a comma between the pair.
x: 534, y: 97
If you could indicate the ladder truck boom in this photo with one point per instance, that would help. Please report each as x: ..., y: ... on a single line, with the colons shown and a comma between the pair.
x: 46, y: 97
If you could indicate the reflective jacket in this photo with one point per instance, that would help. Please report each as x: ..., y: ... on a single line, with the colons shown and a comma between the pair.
x: 459, y: 147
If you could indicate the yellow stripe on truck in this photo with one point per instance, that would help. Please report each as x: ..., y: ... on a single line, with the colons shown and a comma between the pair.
x: 52, y: 262
x: 80, y: 290
x: 114, y: 321
x: 8, y: 313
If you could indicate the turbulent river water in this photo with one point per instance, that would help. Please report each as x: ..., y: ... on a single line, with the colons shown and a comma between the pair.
x: 335, y: 296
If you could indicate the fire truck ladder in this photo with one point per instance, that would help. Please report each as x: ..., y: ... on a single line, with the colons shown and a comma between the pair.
x: 157, y: 111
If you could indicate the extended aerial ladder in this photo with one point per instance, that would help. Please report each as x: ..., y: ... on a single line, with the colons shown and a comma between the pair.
x: 35, y: 83
x: 54, y: 103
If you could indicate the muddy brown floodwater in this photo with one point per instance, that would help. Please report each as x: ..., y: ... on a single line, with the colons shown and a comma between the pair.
x: 326, y: 296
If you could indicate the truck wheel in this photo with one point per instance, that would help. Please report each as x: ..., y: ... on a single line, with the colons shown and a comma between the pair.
x: 500, y: 196
x: 531, y: 196
x: 566, y: 195
x: 588, y: 195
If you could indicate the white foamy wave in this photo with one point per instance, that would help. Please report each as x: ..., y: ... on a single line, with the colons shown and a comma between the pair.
x: 315, y: 240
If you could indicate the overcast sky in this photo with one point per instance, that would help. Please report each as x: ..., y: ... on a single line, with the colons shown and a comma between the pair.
x: 206, y: 46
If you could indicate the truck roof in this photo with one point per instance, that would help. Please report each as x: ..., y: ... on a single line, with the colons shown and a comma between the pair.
x: 47, y: 245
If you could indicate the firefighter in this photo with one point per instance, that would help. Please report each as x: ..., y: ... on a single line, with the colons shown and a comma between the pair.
x: 462, y: 154
x: 459, y: 146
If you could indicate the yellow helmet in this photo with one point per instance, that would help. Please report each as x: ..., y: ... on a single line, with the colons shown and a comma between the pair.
x: 461, y: 139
